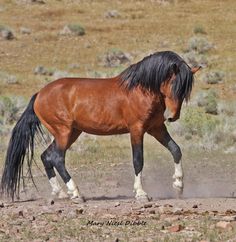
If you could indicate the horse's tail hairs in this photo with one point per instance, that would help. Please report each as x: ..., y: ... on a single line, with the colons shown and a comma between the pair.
x: 21, y: 146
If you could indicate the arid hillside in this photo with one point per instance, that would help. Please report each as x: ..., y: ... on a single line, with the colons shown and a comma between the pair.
x: 136, y: 28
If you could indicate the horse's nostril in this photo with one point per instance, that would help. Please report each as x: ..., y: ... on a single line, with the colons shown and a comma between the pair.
x: 170, y: 119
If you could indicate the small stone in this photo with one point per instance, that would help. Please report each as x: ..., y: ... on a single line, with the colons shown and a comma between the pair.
x: 230, y: 211
x: 117, y: 204
x: 112, y: 14
x: 175, y: 228
x: 79, y: 211
x: 177, y: 211
x: 21, y: 214
x: 224, y: 225
x: 40, y: 70
x: 6, y: 34
x: 163, y: 209
x: 195, y: 206
x: 24, y: 30
x: 1, y: 205
x: 152, y: 211
x: 229, y: 218
x: 59, y: 211
x: 147, y: 205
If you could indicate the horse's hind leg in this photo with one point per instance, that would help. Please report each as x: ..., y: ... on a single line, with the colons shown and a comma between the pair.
x: 47, y: 159
x: 62, y: 142
x: 56, y: 155
x: 162, y: 135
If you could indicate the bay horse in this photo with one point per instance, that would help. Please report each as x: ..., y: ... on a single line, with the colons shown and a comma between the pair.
x: 137, y: 101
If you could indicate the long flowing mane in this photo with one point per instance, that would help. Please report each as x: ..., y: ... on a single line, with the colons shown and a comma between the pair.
x: 157, y: 68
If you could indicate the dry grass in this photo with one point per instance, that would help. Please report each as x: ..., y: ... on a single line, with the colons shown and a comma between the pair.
x: 141, y: 28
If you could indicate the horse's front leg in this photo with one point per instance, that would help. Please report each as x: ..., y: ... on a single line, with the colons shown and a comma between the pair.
x: 162, y: 135
x: 137, y: 151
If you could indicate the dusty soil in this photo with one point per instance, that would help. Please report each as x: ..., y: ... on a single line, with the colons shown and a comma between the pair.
x: 111, y: 213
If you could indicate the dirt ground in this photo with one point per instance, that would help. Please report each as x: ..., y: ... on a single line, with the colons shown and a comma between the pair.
x: 206, y: 211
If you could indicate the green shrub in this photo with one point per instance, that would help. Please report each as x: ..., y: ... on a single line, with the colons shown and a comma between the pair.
x: 76, y: 29
x: 211, y: 103
x: 198, y: 29
x: 227, y: 108
x: 197, y: 122
x: 10, y: 108
x: 208, y: 100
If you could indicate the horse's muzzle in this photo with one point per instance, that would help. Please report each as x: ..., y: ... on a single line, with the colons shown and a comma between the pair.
x: 168, y: 116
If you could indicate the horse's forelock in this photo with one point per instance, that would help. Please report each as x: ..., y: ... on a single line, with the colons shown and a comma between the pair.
x: 182, y: 85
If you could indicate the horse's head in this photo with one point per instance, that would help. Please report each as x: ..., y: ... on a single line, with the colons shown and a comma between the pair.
x: 166, y: 74
x: 177, y: 88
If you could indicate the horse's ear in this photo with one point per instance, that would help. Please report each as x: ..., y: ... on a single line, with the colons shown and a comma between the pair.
x: 195, y: 69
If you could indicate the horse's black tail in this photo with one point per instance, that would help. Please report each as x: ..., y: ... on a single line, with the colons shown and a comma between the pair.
x: 21, y: 145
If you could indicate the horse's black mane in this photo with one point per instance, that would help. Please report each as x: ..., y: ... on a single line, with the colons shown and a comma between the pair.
x: 157, y: 68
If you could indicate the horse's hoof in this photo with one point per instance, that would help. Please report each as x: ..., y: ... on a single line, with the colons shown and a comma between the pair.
x: 78, y: 199
x: 143, y: 199
x: 178, y: 190
x: 62, y: 195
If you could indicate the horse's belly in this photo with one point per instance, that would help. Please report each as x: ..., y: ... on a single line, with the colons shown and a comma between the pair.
x: 101, y: 129
x: 101, y: 125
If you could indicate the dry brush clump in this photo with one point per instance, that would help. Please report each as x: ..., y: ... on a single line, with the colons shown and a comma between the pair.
x: 197, y: 48
x: 11, y: 108
x: 208, y: 130
x: 6, y: 33
x: 213, y: 77
x: 199, y: 44
x: 114, y: 58
x: 199, y: 29
x: 208, y: 100
x: 6, y: 78
x: 74, y: 29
